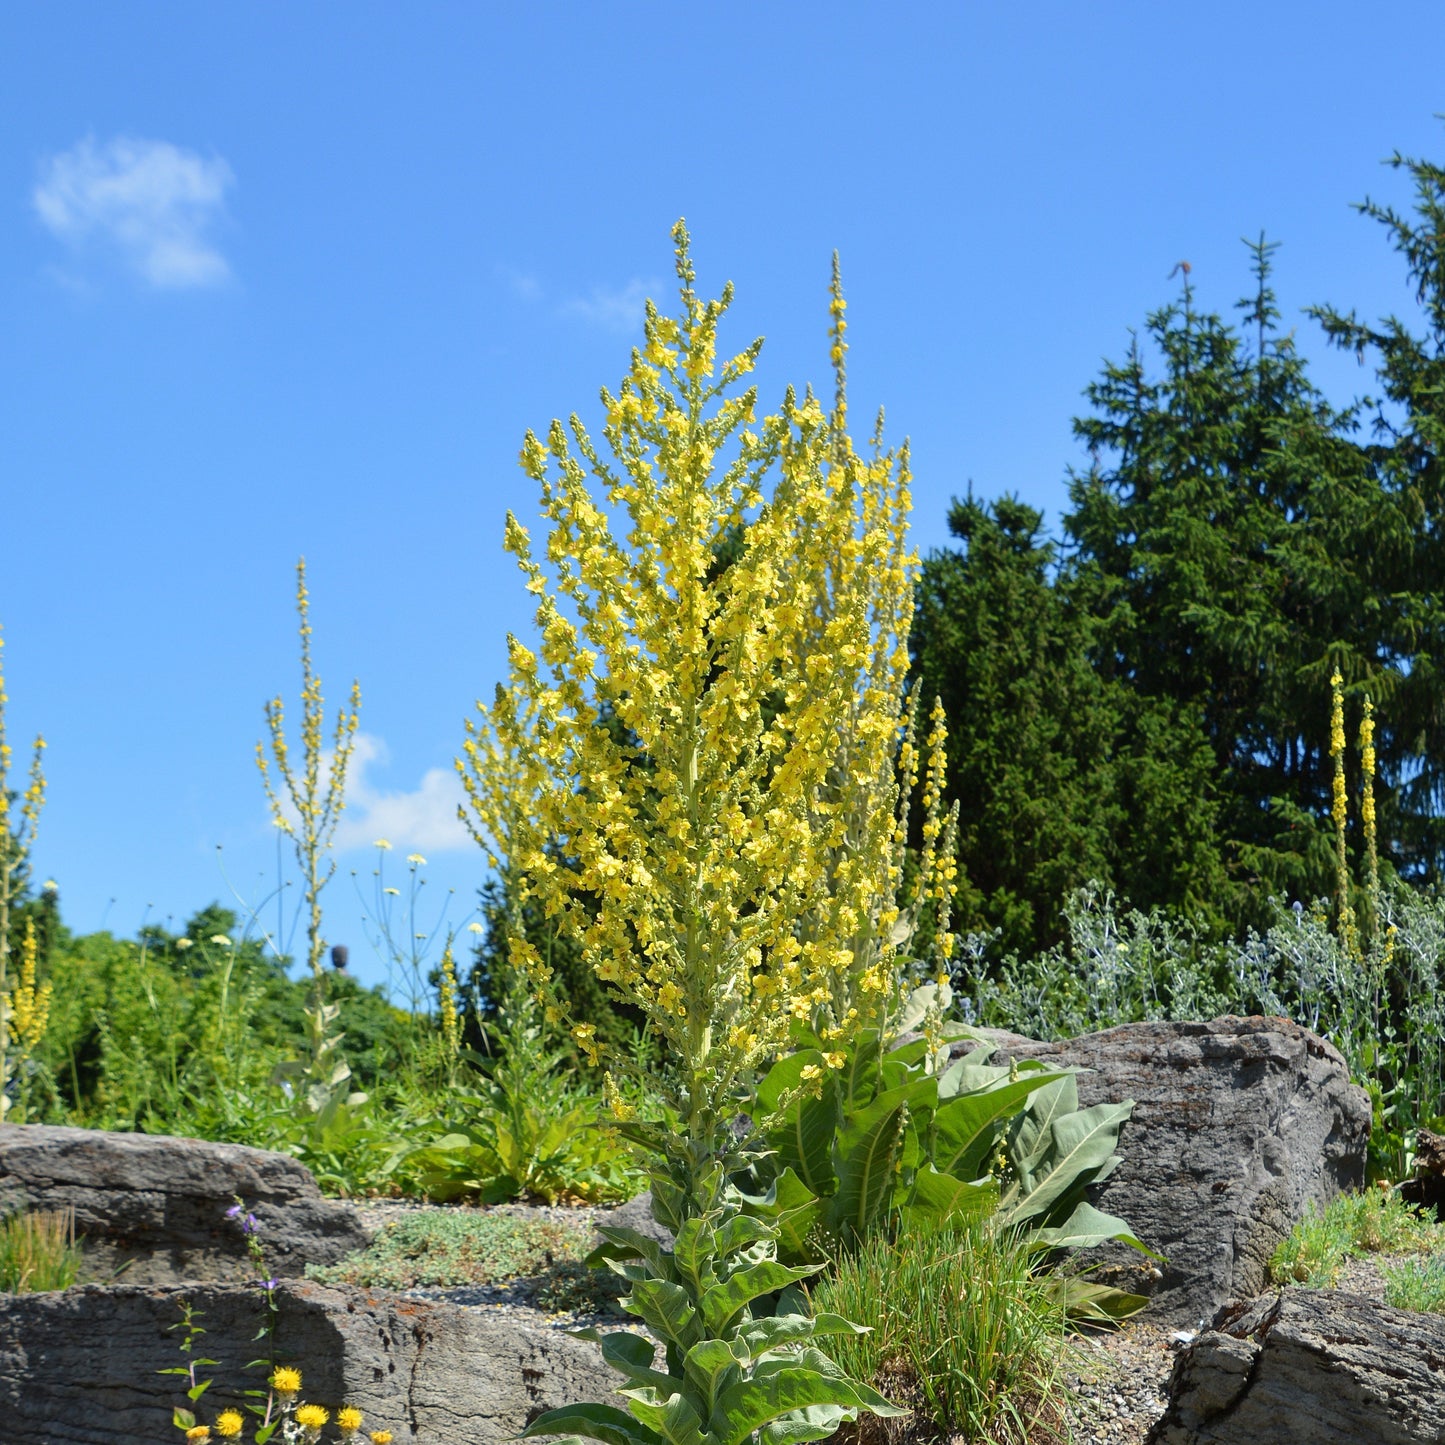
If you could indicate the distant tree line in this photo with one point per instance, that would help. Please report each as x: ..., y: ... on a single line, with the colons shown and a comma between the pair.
x: 1144, y: 699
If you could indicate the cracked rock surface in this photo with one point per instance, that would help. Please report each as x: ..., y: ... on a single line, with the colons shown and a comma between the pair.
x: 154, y: 1205
x: 1239, y: 1125
x: 1319, y: 1366
x: 79, y: 1367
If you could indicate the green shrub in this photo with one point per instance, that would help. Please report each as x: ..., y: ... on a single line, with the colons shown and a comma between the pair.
x: 39, y: 1252
x: 1374, y: 1222
x: 1417, y: 1284
x: 961, y: 1329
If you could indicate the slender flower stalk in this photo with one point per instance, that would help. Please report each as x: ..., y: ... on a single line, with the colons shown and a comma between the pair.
x: 1339, y: 812
x: 17, y: 839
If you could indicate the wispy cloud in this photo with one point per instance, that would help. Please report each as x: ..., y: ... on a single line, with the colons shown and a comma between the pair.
x: 150, y: 201
x: 424, y: 819
x: 613, y: 309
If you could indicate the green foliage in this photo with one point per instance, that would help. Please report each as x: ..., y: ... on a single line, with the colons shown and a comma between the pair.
x: 447, y: 1248
x: 730, y: 1373
x: 1143, y: 704
x: 1069, y: 774
x: 38, y: 1251
x: 1416, y: 1284
x: 959, y: 1326
x: 1376, y: 1221
x: 885, y: 1142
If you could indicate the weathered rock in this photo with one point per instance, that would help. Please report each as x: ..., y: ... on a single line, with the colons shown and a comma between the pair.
x: 80, y: 1367
x: 1309, y: 1367
x: 1238, y: 1125
x: 155, y: 1205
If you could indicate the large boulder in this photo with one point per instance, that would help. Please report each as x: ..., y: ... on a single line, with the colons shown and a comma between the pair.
x: 1239, y: 1125
x: 80, y: 1367
x: 1309, y: 1367
x: 156, y: 1206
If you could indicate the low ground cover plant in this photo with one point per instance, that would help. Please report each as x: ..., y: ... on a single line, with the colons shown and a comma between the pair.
x: 441, y: 1248
x: 1374, y: 1222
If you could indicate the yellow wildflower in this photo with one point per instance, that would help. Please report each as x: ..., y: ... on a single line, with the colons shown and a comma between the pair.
x: 348, y: 1421
x: 285, y: 1381
x: 381, y: 1437
x: 198, y: 1433
x: 313, y: 1417
x: 229, y: 1424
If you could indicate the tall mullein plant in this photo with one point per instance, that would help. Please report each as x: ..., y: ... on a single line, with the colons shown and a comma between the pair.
x: 680, y: 849
x: 17, y: 838
x: 306, y: 806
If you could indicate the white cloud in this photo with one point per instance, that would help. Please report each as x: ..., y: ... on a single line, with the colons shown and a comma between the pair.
x: 617, y: 310
x: 150, y: 200
x: 423, y: 820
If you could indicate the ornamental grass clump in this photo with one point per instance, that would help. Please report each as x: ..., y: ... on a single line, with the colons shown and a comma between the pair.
x: 38, y: 1251
x: 668, y: 775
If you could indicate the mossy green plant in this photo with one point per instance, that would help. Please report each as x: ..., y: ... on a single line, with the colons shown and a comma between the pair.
x: 451, y: 1248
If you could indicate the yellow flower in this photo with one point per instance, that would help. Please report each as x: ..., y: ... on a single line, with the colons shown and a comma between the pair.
x: 348, y: 1421
x: 285, y: 1381
x: 185, y: 943
x: 382, y: 844
x: 220, y: 940
x: 313, y: 1417
x: 199, y: 1432
x: 228, y: 1424
x: 416, y: 860
x: 381, y: 1437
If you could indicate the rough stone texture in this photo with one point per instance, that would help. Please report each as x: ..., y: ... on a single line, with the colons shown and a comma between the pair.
x: 1239, y: 1124
x: 156, y: 1205
x: 1309, y: 1367
x: 80, y: 1367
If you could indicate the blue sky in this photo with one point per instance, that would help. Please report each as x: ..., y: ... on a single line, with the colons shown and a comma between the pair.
x: 285, y: 279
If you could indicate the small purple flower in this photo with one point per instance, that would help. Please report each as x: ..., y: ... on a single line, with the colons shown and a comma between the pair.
x: 249, y: 1225
x: 267, y: 1284
x: 234, y: 1212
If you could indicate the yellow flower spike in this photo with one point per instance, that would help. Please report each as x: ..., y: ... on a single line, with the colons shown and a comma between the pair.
x: 741, y: 879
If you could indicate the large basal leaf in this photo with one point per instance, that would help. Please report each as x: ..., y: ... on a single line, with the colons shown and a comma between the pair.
x: 676, y: 1420
x: 939, y: 1199
x: 865, y: 1159
x: 1079, y: 1144
x: 794, y: 1211
x: 802, y: 1132
x: 815, y: 1422
x: 1098, y: 1302
x: 1030, y: 1137
x: 797, y: 1382
x: 722, y: 1302
x: 630, y: 1355
x: 1087, y: 1227
x: 593, y: 1422
x: 963, y: 1125
x: 666, y: 1310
